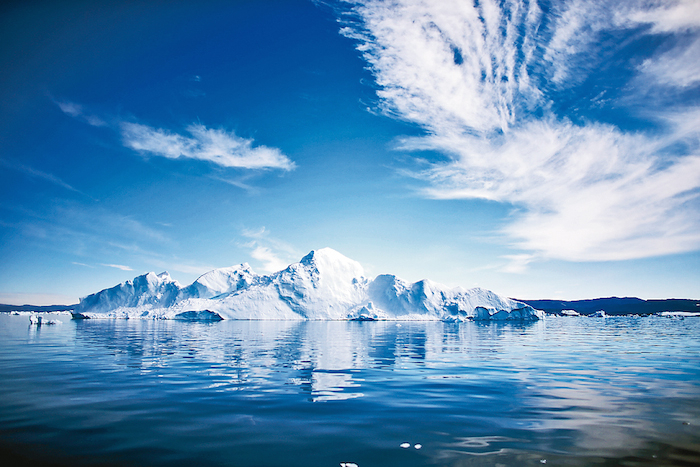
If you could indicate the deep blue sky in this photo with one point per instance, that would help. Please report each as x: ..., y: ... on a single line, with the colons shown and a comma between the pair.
x: 537, y: 149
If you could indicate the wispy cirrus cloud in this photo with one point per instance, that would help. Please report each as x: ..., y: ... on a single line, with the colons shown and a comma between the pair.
x: 77, y: 111
x: 272, y: 253
x: 118, y: 266
x: 483, y: 80
x: 218, y: 146
x: 665, y: 17
x: 678, y: 67
x: 32, y: 172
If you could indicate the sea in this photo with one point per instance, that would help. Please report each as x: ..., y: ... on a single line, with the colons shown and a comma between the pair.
x: 565, y: 391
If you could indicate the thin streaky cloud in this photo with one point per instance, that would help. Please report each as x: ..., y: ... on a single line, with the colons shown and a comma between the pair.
x: 77, y: 111
x: 272, y: 253
x: 118, y: 266
x: 239, y: 183
x: 39, y: 174
x: 479, y: 79
x: 270, y: 261
x: 218, y: 146
x: 70, y: 108
x: 517, y: 264
x: 669, y: 16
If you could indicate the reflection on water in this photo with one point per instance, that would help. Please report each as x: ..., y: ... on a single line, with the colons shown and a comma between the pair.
x: 573, y: 391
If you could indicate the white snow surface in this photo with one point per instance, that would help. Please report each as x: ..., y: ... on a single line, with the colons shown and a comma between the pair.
x: 324, y: 285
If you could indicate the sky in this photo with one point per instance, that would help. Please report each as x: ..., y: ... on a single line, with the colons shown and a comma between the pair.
x: 536, y: 148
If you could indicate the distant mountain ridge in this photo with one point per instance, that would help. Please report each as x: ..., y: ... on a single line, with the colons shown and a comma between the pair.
x: 615, y: 305
x: 39, y: 308
x: 323, y: 285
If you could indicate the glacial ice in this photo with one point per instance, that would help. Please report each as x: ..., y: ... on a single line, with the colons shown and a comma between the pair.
x: 38, y: 320
x: 324, y: 285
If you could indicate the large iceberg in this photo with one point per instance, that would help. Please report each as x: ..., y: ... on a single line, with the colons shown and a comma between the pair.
x: 324, y: 285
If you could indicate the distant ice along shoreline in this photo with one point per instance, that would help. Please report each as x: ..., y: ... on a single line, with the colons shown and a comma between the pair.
x: 324, y: 285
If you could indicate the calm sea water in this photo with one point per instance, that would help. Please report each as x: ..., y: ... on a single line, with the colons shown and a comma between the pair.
x: 566, y: 391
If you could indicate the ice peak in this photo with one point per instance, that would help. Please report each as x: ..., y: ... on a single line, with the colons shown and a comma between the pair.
x: 324, y: 284
x: 327, y: 260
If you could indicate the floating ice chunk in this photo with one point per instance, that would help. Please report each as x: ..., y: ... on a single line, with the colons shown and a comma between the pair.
x: 324, y: 285
x: 36, y: 320
x: 678, y: 314
x: 543, y: 461
x: 348, y: 464
x: 405, y: 445
x: 598, y: 314
x: 418, y: 446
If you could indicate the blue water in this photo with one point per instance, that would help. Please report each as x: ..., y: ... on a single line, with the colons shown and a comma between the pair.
x: 566, y: 391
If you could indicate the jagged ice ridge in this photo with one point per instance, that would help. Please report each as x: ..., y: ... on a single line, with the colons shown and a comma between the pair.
x: 324, y: 285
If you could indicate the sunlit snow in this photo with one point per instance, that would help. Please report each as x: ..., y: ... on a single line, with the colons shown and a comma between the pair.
x: 324, y: 285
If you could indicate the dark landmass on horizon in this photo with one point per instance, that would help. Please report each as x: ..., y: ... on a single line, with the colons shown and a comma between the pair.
x: 44, y: 308
x: 614, y: 306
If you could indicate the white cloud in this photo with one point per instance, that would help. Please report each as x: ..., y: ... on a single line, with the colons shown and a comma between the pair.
x: 39, y: 174
x: 273, y: 254
x: 517, y: 264
x: 581, y: 191
x: 118, y: 266
x: 70, y: 108
x: 77, y: 111
x: 215, y: 145
x: 678, y: 67
x: 666, y: 16
x: 270, y: 261
x: 238, y: 183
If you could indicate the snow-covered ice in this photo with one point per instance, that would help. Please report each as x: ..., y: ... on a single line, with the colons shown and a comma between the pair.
x: 570, y: 313
x: 324, y: 285
x: 679, y: 314
x: 38, y: 320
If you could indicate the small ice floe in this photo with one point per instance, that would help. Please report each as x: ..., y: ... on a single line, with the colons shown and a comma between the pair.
x: 543, y: 461
x: 598, y: 314
x: 36, y: 320
x: 569, y: 313
x: 418, y: 446
x: 348, y: 464
x: 679, y: 314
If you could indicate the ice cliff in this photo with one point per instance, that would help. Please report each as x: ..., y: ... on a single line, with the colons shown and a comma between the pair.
x: 324, y: 285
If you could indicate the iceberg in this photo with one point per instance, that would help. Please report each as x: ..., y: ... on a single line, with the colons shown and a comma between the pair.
x: 38, y: 320
x: 570, y: 313
x: 323, y: 285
